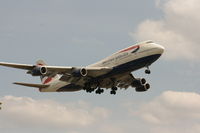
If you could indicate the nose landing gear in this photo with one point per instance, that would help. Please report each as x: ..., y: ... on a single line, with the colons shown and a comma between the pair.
x: 148, y: 71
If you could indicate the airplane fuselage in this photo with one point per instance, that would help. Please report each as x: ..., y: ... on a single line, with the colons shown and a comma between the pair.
x: 124, y: 61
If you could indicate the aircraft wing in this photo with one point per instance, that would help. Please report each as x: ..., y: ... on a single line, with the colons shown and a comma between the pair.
x: 19, y: 66
x: 125, y: 81
x: 91, y: 71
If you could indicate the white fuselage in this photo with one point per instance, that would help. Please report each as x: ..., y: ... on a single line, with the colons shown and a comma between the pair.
x: 123, y: 56
x: 125, y: 60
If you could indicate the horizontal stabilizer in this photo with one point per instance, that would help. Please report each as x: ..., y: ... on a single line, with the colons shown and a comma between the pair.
x: 32, y: 85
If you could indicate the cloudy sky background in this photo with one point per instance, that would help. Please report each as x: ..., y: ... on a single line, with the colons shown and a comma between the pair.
x: 78, y: 33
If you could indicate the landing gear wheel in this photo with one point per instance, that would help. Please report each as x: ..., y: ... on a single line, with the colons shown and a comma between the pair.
x: 147, y: 86
x: 112, y: 92
x: 89, y: 90
x: 99, y: 91
x: 147, y: 71
x: 114, y: 88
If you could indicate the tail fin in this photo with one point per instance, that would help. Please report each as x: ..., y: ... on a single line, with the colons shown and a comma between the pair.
x: 41, y: 63
x: 44, y: 79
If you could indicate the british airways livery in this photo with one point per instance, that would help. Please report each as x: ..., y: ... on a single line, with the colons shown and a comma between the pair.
x: 111, y: 73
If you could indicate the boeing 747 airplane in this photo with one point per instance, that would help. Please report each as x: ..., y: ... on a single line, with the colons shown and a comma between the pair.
x: 111, y: 73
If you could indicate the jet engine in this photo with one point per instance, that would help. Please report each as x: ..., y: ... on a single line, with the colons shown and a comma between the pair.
x: 138, y: 82
x: 38, y: 71
x: 80, y: 72
x: 142, y: 88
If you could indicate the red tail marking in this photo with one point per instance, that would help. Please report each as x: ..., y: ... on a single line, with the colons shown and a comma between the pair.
x: 40, y: 64
x: 129, y: 48
x: 47, y: 80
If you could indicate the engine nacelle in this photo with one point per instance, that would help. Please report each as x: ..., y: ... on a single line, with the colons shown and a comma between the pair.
x: 138, y: 82
x: 142, y: 88
x: 80, y: 72
x: 38, y: 71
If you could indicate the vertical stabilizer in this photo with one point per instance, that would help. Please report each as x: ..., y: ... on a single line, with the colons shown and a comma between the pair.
x: 44, y: 79
x: 41, y: 63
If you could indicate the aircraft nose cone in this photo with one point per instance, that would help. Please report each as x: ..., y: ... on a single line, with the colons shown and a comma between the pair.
x: 161, y: 49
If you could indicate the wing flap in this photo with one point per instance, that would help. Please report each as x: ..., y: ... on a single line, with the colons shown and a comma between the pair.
x: 31, y: 85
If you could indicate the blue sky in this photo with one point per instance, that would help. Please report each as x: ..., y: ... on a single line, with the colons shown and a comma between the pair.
x: 79, y: 33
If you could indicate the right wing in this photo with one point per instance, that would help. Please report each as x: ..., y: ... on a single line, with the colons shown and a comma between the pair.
x: 18, y: 66
x: 92, y: 71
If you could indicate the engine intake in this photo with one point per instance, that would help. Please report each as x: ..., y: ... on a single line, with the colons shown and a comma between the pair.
x: 138, y: 82
x: 80, y: 72
x: 142, y: 88
x: 38, y: 71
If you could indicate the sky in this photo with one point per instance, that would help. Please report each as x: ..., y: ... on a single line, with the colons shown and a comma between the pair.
x: 79, y: 33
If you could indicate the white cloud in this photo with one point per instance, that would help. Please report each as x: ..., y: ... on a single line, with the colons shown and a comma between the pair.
x: 28, y: 112
x: 172, y: 112
x: 178, y: 31
x: 112, y: 128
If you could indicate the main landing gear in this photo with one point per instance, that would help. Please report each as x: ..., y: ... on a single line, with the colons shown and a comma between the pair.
x: 89, y: 90
x: 99, y: 91
x: 148, y: 71
x: 113, y: 90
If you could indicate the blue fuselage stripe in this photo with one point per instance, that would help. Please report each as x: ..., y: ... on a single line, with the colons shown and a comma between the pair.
x: 132, y: 65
